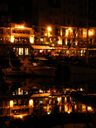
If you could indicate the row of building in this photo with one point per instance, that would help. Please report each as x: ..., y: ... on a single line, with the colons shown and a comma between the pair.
x: 41, y: 104
x: 25, y: 40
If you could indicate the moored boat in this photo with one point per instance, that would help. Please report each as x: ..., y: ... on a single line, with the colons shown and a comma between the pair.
x: 15, y: 71
x: 37, y: 68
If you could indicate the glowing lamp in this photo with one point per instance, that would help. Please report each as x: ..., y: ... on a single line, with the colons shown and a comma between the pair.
x: 69, y: 28
x: 68, y: 112
x: 22, y: 26
x: 21, y: 116
x: 12, y: 39
x: 11, y: 103
x: 49, y: 29
x: 30, y: 102
x: 48, y: 113
x: 41, y: 91
x: 89, y: 108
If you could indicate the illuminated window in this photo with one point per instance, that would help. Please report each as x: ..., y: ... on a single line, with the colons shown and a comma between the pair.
x: 26, y: 51
x: 42, y: 40
x: 20, y: 51
x: 16, y: 51
x: 41, y: 101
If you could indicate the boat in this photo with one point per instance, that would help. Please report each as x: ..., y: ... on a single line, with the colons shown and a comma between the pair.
x: 36, y: 68
x: 13, y: 71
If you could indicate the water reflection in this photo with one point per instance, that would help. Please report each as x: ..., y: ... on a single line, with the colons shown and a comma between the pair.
x: 37, y: 96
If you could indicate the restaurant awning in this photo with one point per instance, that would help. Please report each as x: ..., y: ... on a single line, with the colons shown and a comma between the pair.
x: 41, y: 47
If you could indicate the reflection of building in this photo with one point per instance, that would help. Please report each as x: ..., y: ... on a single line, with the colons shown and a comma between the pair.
x: 42, y: 103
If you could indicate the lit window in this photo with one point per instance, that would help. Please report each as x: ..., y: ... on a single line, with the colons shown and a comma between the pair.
x: 16, y: 51
x: 20, y: 51
x: 26, y: 51
x: 42, y: 40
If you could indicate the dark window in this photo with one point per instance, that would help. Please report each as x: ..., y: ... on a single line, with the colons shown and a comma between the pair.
x: 64, y: 21
x: 56, y: 21
x: 50, y: 20
x: 95, y: 41
x: 73, y: 42
x: 68, y: 21
x: 90, y: 41
x: 68, y: 41
x: 74, y: 22
x: 81, y: 42
x: 63, y: 32
x: 63, y: 41
x: 35, y: 30
x: 1, y: 31
x: 57, y: 32
x: 42, y: 31
x: 74, y: 31
x: 64, y: 11
x: 81, y: 32
x: 95, y: 32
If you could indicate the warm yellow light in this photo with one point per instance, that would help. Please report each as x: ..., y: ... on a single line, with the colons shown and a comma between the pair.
x: 49, y: 29
x: 22, y: 26
x: 21, y: 116
x: 12, y: 39
x: 31, y: 40
x: 65, y: 99
x: 69, y: 28
x: 59, y: 99
x: 59, y: 42
x: 41, y: 51
x: 89, y: 108
x: 41, y: 91
x: 66, y: 108
x: 19, y: 26
x: 68, y: 112
x: 11, y: 103
x: 48, y: 113
x: 90, y: 32
x: 66, y: 32
x: 30, y: 102
x: 75, y: 106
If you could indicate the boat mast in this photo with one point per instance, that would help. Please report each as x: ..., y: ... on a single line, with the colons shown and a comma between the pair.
x: 87, y: 52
